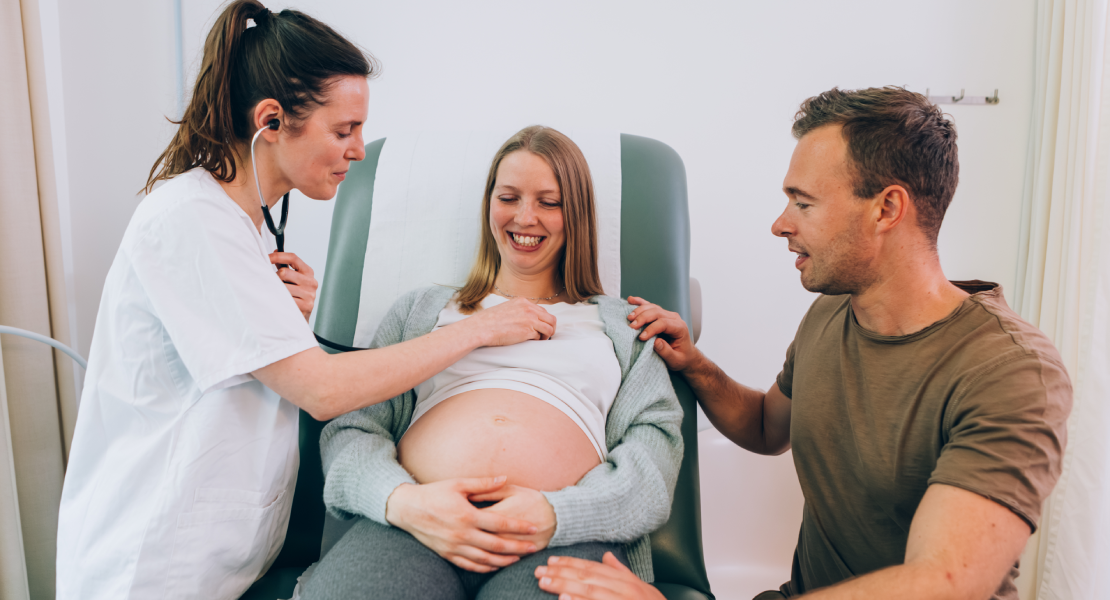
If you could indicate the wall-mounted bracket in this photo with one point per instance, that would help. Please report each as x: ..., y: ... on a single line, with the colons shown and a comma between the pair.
x: 962, y: 98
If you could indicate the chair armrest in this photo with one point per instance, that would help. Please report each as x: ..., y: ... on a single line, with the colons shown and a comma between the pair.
x: 674, y: 591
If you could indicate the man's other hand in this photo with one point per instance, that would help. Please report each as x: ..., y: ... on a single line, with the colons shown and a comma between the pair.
x: 673, y: 342
x: 578, y: 579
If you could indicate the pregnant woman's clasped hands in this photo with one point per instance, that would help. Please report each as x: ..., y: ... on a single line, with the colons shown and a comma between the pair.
x: 519, y: 502
x: 442, y: 517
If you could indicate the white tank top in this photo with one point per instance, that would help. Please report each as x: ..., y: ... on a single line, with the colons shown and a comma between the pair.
x: 576, y: 371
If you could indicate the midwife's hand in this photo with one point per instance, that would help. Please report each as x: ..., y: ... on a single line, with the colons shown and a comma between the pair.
x: 577, y: 579
x: 524, y: 503
x: 441, y: 516
x: 298, y: 278
x: 673, y: 344
x: 512, y: 322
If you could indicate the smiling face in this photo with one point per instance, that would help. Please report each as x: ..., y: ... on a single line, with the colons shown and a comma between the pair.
x: 315, y: 158
x: 526, y: 216
x: 824, y: 222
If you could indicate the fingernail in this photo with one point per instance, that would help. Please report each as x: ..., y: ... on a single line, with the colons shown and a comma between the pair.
x: 533, y: 548
x: 564, y: 597
x: 541, y: 571
x: 553, y: 560
x: 532, y: 530
x: 545, y: 581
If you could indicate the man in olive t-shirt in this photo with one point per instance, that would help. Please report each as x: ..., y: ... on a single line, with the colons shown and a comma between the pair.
x: 927, y: 420
x: 977, y: 400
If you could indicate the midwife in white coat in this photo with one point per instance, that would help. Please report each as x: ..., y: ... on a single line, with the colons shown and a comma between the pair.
x: 184, y: 458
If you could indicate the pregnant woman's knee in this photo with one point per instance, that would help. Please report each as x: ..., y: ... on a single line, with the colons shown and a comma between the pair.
x: 383, y: 563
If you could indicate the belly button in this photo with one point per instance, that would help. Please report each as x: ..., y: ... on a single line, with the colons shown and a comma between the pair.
x: 499, y: 419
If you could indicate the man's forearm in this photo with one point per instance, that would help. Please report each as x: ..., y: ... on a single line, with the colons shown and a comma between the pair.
x: 735, y: 410
x: 905, y: 582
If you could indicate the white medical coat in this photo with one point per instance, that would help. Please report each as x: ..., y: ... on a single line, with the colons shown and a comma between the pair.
x: 182, y: 468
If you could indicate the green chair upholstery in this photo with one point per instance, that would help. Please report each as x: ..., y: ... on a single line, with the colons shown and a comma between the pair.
x: 655, y: 260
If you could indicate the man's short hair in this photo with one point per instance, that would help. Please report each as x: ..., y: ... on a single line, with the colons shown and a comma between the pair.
x: 895, y: 137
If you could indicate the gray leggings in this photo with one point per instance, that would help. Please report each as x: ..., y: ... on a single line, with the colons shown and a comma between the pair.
x: 386, y: 563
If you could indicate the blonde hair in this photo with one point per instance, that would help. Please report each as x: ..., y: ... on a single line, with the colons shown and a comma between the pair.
x: 578, y: 264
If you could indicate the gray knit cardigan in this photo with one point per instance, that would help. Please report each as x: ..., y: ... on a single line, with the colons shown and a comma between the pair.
x: 621, y: 500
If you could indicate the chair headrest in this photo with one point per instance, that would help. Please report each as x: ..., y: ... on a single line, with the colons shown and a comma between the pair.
x: 425, y: 219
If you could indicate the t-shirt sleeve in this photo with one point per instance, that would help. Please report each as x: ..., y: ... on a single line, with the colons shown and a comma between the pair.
x: 1005, y: 433
x: 224, y: 309
x: 821, y: 306
x: 785, y: 380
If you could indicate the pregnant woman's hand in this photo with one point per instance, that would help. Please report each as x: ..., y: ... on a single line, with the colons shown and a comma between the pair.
x: 442, y: 518
x: 512, y: 322
x: 531, y: 505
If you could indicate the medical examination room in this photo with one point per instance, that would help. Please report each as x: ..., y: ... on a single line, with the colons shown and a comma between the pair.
x: 587, y: 300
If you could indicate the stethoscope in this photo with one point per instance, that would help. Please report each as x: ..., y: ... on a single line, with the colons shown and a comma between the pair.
x: 279, y: 230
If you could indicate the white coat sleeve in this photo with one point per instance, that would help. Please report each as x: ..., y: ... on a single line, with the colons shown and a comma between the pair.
x: 223, y: 308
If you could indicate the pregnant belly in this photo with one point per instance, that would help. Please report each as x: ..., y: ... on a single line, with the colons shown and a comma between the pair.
x: 491, y: 432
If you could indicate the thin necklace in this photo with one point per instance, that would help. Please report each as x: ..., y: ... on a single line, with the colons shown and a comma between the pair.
x: 502, y: 292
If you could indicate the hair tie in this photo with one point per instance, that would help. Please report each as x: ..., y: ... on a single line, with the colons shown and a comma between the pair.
x: 259, y: 18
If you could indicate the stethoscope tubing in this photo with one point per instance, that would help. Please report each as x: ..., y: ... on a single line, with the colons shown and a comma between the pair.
x: 279, y: 233
x: 279, y: 230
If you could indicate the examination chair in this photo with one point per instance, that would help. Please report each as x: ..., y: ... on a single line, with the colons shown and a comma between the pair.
x: 654, y: 261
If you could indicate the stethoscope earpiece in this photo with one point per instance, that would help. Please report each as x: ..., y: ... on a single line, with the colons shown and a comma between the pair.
x: 274, y: 124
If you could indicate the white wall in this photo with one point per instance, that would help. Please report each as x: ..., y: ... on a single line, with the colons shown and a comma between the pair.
x: 717, y: 81
x: 117, y: 71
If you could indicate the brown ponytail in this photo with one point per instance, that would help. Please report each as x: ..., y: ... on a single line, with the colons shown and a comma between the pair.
x: 288, y: 56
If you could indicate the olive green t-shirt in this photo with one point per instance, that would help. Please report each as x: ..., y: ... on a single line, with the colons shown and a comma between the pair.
x: 977, y: 400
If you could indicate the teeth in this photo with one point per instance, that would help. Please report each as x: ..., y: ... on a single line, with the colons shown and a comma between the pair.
x: 525, y: 240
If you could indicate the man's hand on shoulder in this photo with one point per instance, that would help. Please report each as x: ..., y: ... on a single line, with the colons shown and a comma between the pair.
x: 673, y: 342
x: 752, y: 419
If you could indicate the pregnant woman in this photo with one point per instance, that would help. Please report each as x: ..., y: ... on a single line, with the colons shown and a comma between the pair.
x: 571, y: 442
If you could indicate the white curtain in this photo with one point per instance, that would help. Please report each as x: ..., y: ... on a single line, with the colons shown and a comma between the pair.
x: 1063, y: 285
x: 36, y: 396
